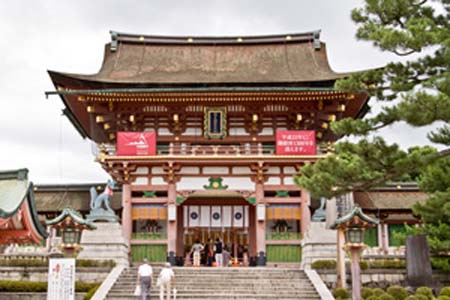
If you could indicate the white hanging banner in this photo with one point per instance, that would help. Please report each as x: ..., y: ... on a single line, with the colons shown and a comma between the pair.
x: 226, y: 212
x: 194, y: 216
x: 205, y: 216
x: 216, y: 216
x: 61, y: 279
x: 185, y: 216
x: 246, y: 216
x: 238, y: 216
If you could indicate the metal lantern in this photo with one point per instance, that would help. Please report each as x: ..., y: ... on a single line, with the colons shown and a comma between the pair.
x: 354, y: 235
x: 71, y: 236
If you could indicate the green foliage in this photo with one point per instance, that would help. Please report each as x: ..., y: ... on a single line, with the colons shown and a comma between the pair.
x: 80, y: 263
x: 341, y: 293
x: 387, y: 264
x: 324, y: 264
x: 411, y: 297
x: 397, y: 292
x: 386, y: 296
x: 361, y: 166
x: 91, y: 292
x: 95, y: 263
x: 23, y: 263
x: 443, y: 297
x: 372, y: 297
x: 445, y: 291
x: 421, y: 297
x: 425, y: 291
x: 364, y: 265
x: 441, y: 264
x: 378, y: 292
x: 420, y: 85
x: 366, y: 292
x: 39, y: 287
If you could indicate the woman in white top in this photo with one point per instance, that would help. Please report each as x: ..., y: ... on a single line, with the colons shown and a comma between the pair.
x: 196, y: 249
x: 166, y: 277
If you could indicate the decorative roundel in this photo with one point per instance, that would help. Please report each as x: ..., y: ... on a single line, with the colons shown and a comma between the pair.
x: 216, y: 216
x: 194, y: 215
x: 238, y: 216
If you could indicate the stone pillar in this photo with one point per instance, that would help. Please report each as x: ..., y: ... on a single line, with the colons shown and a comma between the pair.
x: 306, y: 213
x: 260, y: 227
x: 171, y: 226
x: 127, y: 225
x: 356, y: 274
x: 341, y: 274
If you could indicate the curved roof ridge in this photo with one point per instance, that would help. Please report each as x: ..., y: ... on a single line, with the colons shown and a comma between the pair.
x: 213, y: 39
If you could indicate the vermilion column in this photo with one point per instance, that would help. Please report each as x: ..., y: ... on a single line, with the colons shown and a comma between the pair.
x: 171, y: 225
x: 260, y: 227
x: 126, y: 212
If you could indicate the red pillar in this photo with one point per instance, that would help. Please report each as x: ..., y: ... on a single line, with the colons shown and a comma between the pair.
x: 126, y: 212
x: 260, y: 227
x: 171, y: 225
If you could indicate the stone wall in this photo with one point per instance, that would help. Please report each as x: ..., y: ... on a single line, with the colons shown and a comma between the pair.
x: 41, y: 274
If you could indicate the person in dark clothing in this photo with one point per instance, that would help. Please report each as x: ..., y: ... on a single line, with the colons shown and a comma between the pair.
x: 218, y: 252
x: 209, y: 253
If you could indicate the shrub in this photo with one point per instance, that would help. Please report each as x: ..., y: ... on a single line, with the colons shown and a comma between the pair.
x: 23, y: 263
x: 445, y: 291
x: 378, y: 292
x: 366, y: 292
x: 386, y: 296
x: 91, y: 292
x: 38, y: 286
x: 421, y: 297
x: 411, y: 297
x: 341, y: 293
x: 95, y: 263
x: 373, y: 297
x: 425, y: 291
x: 443, y: 297
x: 324, y: 264
x: 387, y: 264
x: 364, y: 265
x: 398, y: 292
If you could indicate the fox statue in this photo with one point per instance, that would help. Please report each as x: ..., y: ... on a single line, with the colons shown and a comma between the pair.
x: 97, y: 201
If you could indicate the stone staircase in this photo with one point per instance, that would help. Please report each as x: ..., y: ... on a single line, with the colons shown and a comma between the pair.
x: 224, y: 283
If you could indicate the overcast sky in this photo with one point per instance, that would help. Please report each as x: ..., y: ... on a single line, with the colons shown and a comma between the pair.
x: 69, y: 36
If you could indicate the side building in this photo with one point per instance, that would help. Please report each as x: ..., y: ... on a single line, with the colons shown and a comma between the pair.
x: 217, y: 127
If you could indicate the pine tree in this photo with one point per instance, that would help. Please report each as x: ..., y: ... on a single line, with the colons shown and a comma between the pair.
x: 415, y: 91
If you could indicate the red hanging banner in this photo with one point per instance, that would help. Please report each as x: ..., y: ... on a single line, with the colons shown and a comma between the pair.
x: 136, y: 143
x: 296, y: 142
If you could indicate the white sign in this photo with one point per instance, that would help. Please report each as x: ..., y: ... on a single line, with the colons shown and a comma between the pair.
x: 61, y: 279
x: 172, y: 212
x: 261, y: 212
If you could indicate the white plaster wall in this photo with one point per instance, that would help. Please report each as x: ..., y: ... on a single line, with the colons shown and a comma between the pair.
x: 192, y: 131
x: 157, y: 170
x: 267, y: 131
x: 190, y: 170
x: 141, y: 181
x: 164, y: 132
x: 141, y: 170
x: 215, y: 170
x: 238, y: 132
x: 239, y: 183
x: 289, y: 180
x: 289, y: 170
x: 241, y: 170
x: 274, y: 180
x: 273, y: 170
x: 189, y: 183
x: 158, y: 180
